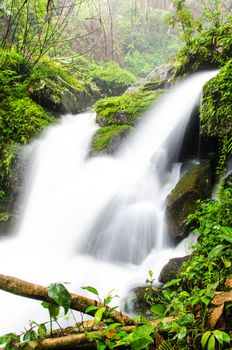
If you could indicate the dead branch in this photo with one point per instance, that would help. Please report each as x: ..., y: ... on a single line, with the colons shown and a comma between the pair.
x: 34, y: 291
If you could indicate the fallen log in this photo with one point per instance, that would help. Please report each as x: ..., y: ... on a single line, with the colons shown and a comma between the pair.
x: 34, y: 291
x: 82, y: 339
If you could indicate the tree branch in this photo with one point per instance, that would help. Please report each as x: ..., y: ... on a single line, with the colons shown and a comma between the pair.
x: 34, y: 291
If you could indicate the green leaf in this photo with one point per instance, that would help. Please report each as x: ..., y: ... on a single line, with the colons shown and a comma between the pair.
x: 54, y: 311
x: 61, y: 295
x: 205, y: 299
x: 226, y: 337
x: 98, y: 315
x: 186, y: 320
x: 91, y: 308
x: 158, y: 310
x: 205, y: 338
x: 174, y: 282
x: 101, y: 346
x: 30, y: 335
x: 216, y: 251
x: 91, y: 290
x: 182, y: 332
x: 211, y: 343
x: 42, y: 330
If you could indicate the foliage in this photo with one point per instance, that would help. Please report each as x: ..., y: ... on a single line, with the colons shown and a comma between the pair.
x: 105, y: 78
x: 216, y: 111
x: 33, y: 26
x: 207, y: 264
x: 132, y: 105
x: 210, y: 48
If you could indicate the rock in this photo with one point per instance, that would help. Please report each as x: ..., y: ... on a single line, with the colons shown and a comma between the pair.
x: 195, y: 184
x: 121, y: 117
x: 159, y: 78
x: 171, y: 270
x: 56, y: 95
x: 139, y: 299
x: 107, y: 140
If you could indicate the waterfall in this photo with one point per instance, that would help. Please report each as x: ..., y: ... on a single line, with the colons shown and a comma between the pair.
x: 97, y: 221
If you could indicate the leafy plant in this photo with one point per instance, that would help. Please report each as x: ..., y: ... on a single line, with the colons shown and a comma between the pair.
x: 211, y: 339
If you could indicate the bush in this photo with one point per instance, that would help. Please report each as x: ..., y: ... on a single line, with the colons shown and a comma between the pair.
x: 212, y: 47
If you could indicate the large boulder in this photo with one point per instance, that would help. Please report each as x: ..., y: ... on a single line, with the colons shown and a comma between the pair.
x: 56, y: 95
x: 171, y: 270
x: 195, y: 184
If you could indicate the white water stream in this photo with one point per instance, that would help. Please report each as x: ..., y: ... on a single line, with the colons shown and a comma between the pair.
x: 97, y: 221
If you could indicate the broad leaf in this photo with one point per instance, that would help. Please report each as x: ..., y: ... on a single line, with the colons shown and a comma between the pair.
x: 61, y: 295
x: 90, y: 289
x: 211, y: 343
x: 98, y: 315
x: 216, y: 251
x: 158, y: 310
x: 205, y: 338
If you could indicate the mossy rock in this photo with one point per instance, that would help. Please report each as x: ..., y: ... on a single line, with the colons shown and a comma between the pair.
x: 52, y: 87
x: 195, y: 184
x: 125, y: 109
x: 107, y: 140
x: 216, y: 107
x: 212, y: 48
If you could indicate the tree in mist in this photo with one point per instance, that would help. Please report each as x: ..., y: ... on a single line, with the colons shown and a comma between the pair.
x: 32, y: 27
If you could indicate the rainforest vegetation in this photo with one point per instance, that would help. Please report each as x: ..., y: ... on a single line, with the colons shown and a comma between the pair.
x: 66, y: 56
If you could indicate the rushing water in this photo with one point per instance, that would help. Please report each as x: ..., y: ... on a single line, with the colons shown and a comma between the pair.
x: 97, y: 221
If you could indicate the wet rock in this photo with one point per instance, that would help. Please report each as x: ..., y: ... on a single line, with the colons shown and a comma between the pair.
x: 171, y: 270
x: 195, y: 184
x: 120, y: 118
x: 140, y: 298
x: 56, y: 95
x: 107, y: 140
x: 159, y: 78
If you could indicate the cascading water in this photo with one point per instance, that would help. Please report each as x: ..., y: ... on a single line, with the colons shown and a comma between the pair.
x: 97, y: 221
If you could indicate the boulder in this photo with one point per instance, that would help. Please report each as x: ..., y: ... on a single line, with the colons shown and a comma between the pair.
x: 159, y: 78
x: 171, y: 270
x: 194, y: 184
x: 56, y: 95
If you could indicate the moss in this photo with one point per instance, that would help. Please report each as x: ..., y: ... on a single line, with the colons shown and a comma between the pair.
x: 103, y: 78
x: 111, y: 79
x: 108, y: 140
x: 125, y: 109
x: 216, y: 108
x: 194, y: 185
x: 212, y: 47
x: 52, y: 86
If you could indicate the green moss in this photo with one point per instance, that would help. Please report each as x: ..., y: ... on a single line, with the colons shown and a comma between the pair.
x: 211, y: 47
x: 103, y: 78
x: 103, y: 136
x: 54, y: 71
x: 216, y: 108
x: 111, y: 79
x: 125, y: 109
